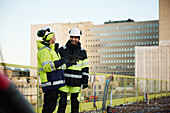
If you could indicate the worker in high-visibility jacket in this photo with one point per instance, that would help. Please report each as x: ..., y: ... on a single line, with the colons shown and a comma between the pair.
x: 76, y: 75
x: 50, y: 68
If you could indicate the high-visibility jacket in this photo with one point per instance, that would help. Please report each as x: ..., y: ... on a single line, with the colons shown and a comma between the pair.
x: 50, y: 67
x: 76, y: 75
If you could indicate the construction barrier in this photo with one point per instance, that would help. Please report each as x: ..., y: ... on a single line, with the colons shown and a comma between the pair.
x: 121, y: 90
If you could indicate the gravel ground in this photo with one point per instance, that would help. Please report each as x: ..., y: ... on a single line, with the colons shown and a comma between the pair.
x: 158, y: 105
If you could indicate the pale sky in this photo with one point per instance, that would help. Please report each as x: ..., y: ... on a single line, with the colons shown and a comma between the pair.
x: 17, y: 16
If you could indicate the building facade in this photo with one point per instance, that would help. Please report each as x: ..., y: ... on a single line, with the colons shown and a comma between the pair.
x: 154, y: 62
x: 111, y: 46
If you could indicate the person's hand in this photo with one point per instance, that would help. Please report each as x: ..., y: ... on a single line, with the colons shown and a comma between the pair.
x: 85, y: 86
x: 65, y: 59
x: 71, y: 59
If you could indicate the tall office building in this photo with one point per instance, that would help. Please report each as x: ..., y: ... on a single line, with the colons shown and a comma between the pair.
x: 111, y: 46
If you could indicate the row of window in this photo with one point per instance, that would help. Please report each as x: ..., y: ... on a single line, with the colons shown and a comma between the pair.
x: 123, y: 33
x: 111, y: 56
x: 125, y: 44
x: 117, y: 50
x: 116, y: 72
x: 123, y: 27
x: 117, y: 61
x: 115, y: 67
x: 117, y: 55
x: 125, y: 38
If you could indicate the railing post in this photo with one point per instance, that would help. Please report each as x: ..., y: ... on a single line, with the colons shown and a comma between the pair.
x: 147, y: 85
x: 166, y: 88
x: 137, y: 89
x: 155, y: 87
x: 161, y: 88
x: 38, y: 103
x: 125, y: 84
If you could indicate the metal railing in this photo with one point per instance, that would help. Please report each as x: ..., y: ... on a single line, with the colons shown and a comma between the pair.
x: 122, y: 89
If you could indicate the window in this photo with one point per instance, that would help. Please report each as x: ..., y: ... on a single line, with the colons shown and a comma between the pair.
x: 150, y: 25
x: 125, y: 38
x: 130, y: 49
x: 144, y: 31
x: 156, y: 36
x: 130, y: 55
x: 156, y: 25
x: 136, y: 43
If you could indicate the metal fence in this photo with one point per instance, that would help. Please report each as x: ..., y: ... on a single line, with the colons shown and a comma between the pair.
x: 121, y: 90
x: 25, y: 80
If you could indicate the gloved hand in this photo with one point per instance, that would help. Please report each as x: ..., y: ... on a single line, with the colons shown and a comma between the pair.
x: 85, y: 86
x: 70, y: 59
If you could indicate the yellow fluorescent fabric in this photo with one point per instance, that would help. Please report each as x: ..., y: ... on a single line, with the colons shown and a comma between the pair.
x: 85, y: 63
x: 70, y: 89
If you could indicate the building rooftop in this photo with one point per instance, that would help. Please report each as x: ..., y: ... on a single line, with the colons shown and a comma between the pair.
x: 120, y: 21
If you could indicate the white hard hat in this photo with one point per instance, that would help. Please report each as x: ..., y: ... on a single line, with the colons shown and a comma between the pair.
x: 50, y: 30
x: 46, y: 33
x: 75, y: 32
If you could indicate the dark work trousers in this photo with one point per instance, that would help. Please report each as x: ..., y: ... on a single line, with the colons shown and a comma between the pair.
x: 50, y: 101
x: 63, y: 102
